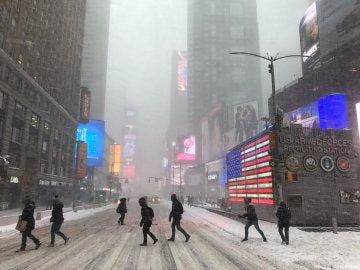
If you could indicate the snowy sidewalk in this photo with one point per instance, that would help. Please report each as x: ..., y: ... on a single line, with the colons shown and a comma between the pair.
x: 9, y: 222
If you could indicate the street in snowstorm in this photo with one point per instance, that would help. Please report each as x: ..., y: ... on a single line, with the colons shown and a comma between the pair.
x: 98, y: 242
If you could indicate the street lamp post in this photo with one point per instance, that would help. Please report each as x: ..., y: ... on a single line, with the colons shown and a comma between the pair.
x: 271, y: 59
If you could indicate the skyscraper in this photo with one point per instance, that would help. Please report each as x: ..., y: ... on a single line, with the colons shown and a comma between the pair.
x: 216, y: 28
x: 40, y: 62
x: 95, y: 53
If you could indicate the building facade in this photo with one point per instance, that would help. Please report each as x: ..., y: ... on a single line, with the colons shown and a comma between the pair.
x: 216, y: 28
x: 40, y: 61
x: 95, y: 53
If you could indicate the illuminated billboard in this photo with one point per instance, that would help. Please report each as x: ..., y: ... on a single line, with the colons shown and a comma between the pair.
x: 182, y: 73
x: 328, y: 112
x: 129, y: 170
x: 115, y: 159
x: 186, y: 148
x: 309, y: 32
x: 245, y: 121
x: 85, y: 102
x: 249, y: 172
x: 92, y: 133
x: 81, y: 160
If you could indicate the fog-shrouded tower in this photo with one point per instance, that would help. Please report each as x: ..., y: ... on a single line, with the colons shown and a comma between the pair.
x: 216, y: 28
x: 95, y: 53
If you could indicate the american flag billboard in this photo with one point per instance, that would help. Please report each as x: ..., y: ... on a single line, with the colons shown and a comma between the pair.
x: 249, y: 172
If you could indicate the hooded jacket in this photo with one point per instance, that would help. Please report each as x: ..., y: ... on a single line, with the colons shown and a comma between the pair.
x: 177, y: 209
x: 28, y: 214
x: 57, y: 211
x: 147, y: 213
x: 283, y: 214
x: 250, y: 212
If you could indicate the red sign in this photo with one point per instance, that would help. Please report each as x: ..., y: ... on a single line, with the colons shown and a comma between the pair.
x: 129, y: 171
x: 186, y: 149
x: 81, y: 160
x: 85, y: 101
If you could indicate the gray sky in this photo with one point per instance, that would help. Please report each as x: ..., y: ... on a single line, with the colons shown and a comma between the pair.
x: 143, y: 35
x: 279, y: 33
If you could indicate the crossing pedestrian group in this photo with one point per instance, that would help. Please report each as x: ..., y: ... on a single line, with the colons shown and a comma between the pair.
x: 26, y: 222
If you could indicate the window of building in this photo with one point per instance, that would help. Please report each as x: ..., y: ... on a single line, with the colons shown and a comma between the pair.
x: 20, y: 110
x: 1, y: 127
x: 2, y: 101
x: 33, y: 140
x: 56, y: 134
x: 1, y: 40
x: 15, y: 158
x: 45, y: 146
x: 55, y: 152
x: 236, y: 9
x: 35, y: 120
x: 43, y: 165
x: 16, y: 135
x: 47, y: 128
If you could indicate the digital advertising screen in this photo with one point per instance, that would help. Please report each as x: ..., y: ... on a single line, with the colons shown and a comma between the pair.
x: 186, y: 148
x: 328, y: 112
x: 249, y: 172
x: 115, y: 159
x: 92, y: 133
x: 309, y: 32
x: 182, y: 64
x: 85, y: 104
x: 81, y: 160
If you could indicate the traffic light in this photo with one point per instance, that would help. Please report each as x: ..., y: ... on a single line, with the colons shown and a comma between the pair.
x: 270, y: 68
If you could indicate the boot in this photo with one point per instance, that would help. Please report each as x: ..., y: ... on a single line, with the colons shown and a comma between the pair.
x: 144, y: 244
x: 66, y: 241
x: 172, y: 238
x: 245, y: 239
x: 187, y: 238
x: 51, y: 245
x: 155, y: 240
x: 38, y: 244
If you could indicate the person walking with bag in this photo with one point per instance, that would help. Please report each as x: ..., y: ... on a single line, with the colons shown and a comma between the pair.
x: 57, y: 219
x: 251, y: 220
x: 147, y: 215
x: 122, y: 210
x: 28, y: 217
x: 283, y: 214
x: 176, y: 211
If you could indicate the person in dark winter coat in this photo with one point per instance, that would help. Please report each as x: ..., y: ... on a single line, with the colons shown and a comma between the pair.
x: 28, y: 215
x: 147, y: 215
x: 283, y: 214
x: 175, y: 214
x: 57, y: 219
x: 121, y: 209
x: 251, y: 219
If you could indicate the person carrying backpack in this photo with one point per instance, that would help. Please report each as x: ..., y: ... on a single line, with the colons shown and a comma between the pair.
x: 147, y: 215
x: 176, y: 211
x: 283, y: 214
x: 122, y: 210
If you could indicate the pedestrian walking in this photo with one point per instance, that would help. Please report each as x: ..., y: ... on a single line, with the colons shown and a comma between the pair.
x: 147, y: 215
x: 251, y: 220
x: 57, y: 219
x: 122, y: 210
x: 176, y: 211
x: 283, y: 214
x: 28, y: 216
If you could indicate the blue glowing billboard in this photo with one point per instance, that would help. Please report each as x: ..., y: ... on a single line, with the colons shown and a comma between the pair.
x: 93, y: 134
x: 328, y: 112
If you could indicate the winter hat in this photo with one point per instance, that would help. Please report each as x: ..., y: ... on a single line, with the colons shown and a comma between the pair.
x: 247, y: 200
x: 123, y: 200
x: 282, y: 203
x: 142, y: 201
x: 173, y: 197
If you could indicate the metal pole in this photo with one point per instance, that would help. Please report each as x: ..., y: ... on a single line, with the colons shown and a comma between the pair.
x: 180, y: 180
x: 272, y: 72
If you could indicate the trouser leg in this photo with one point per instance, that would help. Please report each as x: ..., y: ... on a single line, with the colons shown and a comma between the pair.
x: 281, y: 233
x: 23, y: 240
x: 178, y: 226
x: 247, y: 226
x: 256, y: 224
x: 287, y: 232
x: 173, y: 229
x: 55, y: 229
x: 145, y: 232
x: 122, y: 217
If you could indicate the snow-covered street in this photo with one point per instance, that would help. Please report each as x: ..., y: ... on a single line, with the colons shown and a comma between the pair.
x: 98, y: 242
